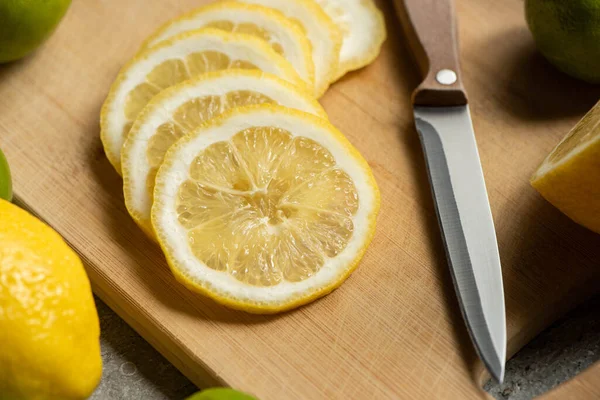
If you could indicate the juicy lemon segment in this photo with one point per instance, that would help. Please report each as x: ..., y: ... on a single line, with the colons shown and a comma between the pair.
x: 172, y: 61
x: 568, y: 178
x: 182, y: 109
x: 323, y: 34
x: 285, y: 37
x: 295, y: 210
x: 264, y: 208
x: 363, y: 30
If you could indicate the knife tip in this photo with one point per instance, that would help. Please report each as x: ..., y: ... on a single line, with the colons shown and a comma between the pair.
x: 496, y: 370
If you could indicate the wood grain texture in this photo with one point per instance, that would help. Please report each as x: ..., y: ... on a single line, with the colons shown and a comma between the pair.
x: 393, y: 330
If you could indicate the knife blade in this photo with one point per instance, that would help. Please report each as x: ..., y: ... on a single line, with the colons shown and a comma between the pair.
x: 443, y: 122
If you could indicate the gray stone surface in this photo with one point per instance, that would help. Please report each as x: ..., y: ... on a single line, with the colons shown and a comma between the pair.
x: 558, y: 354
x: 133, y: 370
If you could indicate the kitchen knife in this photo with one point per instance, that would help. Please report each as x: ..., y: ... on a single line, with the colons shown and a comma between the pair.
x: 444, y: 125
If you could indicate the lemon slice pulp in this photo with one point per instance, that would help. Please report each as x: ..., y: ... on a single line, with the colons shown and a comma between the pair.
x: 264, y: 208
x: 183, y: 108
x: 568, y: 178
x: 173, y: 61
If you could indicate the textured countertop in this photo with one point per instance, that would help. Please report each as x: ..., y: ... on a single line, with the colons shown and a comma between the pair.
x: 133, y: 370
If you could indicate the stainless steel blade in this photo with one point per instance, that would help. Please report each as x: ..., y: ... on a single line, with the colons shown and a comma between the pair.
x: 467, y: 227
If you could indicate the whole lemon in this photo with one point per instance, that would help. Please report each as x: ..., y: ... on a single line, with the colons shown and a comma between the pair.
x: 25, y: 24
x: 567, y: 33
x: 49, y: 329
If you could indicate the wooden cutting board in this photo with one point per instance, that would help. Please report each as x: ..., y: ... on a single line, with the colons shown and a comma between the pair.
x: 393, y: 330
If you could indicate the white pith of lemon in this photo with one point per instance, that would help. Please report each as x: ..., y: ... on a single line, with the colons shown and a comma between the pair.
x: 363, y: 30
x: 173, y: 61
x: 180, y: 109
x: 324, y: 35
x: 264, y: 208
x: 283, y: 35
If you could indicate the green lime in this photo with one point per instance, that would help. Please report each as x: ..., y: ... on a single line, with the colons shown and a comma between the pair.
x: 5, y: 180
x: 25, y: 24
x: 567, y: 33
x: 220, y: 394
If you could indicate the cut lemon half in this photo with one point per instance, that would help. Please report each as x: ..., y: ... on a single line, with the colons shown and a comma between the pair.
x: 173, y: 61
x: 569, y: 177
x: 324, y: 35
x: 264, y: 208
x: 183, y: 108
x: 283, y: 35
x: 363, y: 29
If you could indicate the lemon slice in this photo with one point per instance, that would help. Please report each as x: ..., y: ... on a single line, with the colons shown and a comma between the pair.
x: 324, y: 35
x: 569, y: 177
x: 285, y: 37
x: 174, y: 61
x: 363, y: 29
x: 183, y: 108
x: 264, y: 209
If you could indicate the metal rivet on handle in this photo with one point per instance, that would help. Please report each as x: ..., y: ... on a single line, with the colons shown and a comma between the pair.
x: 446, y: 77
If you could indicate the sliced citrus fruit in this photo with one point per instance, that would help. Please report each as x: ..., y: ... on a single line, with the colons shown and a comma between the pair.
x: 569, y: 177
x: 283, y: 35
x: 173, y: 61
x: 183, y: 108
x: 324, y: 35
x: 363, y: 29
x: 264, y: 209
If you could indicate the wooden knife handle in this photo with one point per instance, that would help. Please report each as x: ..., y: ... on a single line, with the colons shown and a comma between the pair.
x: 430, y: 28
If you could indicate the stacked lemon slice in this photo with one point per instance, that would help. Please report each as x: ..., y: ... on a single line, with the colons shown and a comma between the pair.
x: 228, y: 160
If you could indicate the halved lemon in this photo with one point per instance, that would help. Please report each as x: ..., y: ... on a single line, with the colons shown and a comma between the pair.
x: 324, y: 35
x: 183, y: 108
x: 283, y: 35
x: 569, y: 177
x: 173, y: 61
x: 264, y: 209
x: 363, y: 29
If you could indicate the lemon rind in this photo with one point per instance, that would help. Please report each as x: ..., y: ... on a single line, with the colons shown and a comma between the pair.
x: 237, y: 9
x: 321, y: 20
x: 379, y: 36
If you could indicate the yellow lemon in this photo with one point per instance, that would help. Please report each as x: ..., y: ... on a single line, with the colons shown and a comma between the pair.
x: 568, y: 178
x: 180, y: 110
x: 324, y: 35
x: 173, y: 61
x: 49, y: 330
x: 363, y: 29
x: 264, y: 208
x: 283, y: 35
